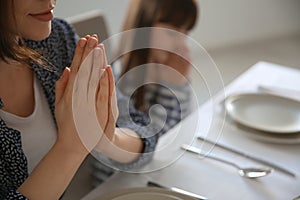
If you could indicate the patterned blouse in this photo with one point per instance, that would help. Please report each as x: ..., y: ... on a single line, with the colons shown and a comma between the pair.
x: 58, y: 49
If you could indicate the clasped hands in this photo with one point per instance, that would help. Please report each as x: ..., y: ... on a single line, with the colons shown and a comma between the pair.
x: 85, y: 105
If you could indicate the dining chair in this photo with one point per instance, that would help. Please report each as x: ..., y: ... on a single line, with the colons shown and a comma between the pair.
x: 89, y: 23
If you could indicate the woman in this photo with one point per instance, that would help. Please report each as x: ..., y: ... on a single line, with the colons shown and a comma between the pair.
x: 172, y: 89
x: 40, y: 147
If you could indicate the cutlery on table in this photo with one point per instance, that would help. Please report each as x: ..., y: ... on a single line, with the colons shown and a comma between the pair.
x: 259, y: 160
x: 250, y: 172
x: 178, y: 190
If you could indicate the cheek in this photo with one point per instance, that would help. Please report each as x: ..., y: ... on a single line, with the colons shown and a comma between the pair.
x: 164, y: 44
x: 33, y: 30
x: 26, y: 26
x: 158, y: 56
x: 162, y: 40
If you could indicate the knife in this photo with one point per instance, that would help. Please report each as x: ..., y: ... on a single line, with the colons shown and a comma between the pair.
x: 259, y: 160
x: 178, y: 190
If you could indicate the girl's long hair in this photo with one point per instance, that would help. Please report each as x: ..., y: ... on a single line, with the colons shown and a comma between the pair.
x: 145, y: 13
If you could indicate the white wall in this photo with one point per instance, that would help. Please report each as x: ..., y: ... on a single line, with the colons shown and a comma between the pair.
x: 222, y: 23
x: 114, y: 10
x: 226, y: 22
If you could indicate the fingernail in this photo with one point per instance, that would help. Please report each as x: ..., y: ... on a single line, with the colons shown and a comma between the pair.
x: 82, y: 43
x: 91, y: 43
x: 107, y: 69
x: 101, y: 45
x: 97, y: 52
x: 104, y: 72
x: 63, y: 74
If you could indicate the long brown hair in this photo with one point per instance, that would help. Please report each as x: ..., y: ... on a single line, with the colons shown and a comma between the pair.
x: 145, y: 13
x: 11, y: 45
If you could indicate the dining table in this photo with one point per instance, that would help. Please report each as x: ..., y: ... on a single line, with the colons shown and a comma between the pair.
x: 172, y: 166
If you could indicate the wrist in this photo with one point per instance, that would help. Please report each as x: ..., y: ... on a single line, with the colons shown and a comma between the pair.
x: 125, y: 146
x: 72, y: 148
x: 105, y: 145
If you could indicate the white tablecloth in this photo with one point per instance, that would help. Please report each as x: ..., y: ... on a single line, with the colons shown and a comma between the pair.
x: 171, y: 166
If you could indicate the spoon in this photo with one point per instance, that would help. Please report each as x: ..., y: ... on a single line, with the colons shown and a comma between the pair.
x: 250, y: 172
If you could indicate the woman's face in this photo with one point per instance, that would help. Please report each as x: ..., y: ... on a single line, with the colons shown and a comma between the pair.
x: 170, y: 38
x: 33, y: 18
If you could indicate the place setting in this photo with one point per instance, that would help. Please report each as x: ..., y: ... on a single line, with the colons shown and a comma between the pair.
x: 254, y: 148
x: 251, y: 172
x: 263, y: 116
x: 268, y: 114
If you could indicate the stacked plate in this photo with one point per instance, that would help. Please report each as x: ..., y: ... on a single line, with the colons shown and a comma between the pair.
x: 145, y: 193
x: 266, y: 117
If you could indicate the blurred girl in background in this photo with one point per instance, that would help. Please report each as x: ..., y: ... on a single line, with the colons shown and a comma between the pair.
x: 177, y: 18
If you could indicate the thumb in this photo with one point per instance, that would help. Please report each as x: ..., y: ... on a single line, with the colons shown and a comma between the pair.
x: 61, y: 84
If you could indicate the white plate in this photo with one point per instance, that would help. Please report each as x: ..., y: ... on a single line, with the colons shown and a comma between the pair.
x: 265, y: 112
x: 269, y: 137
x: 144, y: 193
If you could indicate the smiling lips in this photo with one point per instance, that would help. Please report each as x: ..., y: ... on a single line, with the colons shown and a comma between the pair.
x: 44, y: 17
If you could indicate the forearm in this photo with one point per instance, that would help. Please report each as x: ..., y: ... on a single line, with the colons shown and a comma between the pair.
x: 125, y: 147
x: 53, y: 174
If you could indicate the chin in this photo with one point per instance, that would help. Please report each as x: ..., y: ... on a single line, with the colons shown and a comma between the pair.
x: 39, y: 33
x: 41, y: 36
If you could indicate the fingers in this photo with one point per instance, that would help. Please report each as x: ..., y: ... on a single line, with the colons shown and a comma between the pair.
x: 81, y: 51
x: 87, y: 79
x: 84, y: 46
x: 112, y: 109
x: 104, y: 90
x: 96, y: 71
x: 78, y: 54
x: 61, y: 85
x: 109, y: 128
x: 103, y: 100
x: 90, y: 45
x: 110, y: 125
x: 111, y: 81
x: 94, y: 35
x: 112, y: 94
x: 104, y: 52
